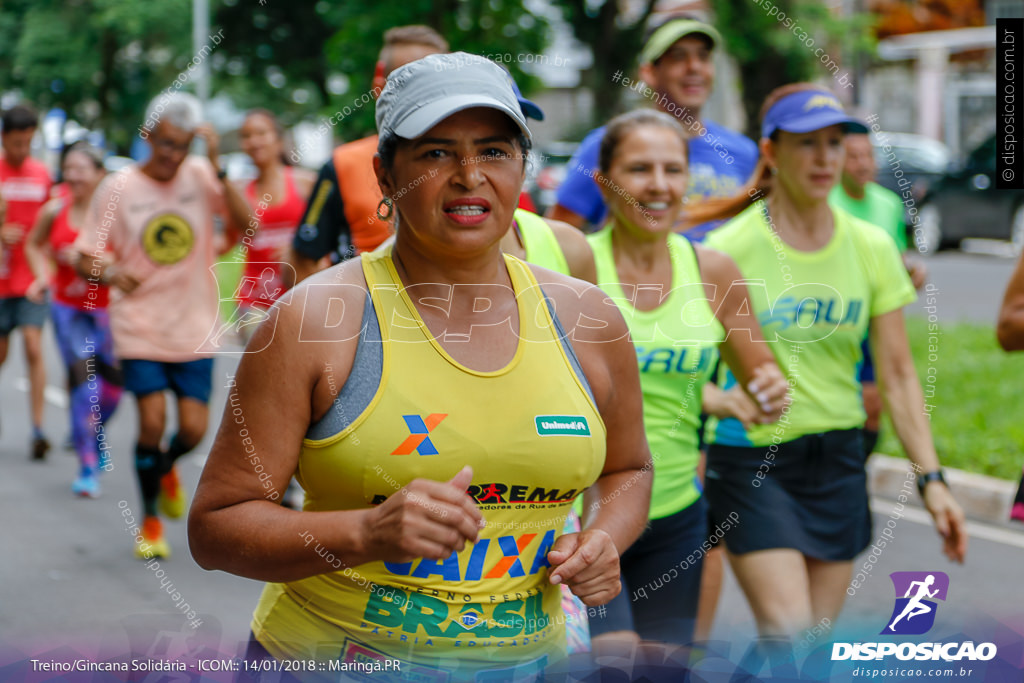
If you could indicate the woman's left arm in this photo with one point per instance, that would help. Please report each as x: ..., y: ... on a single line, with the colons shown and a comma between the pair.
x: 901, y: 392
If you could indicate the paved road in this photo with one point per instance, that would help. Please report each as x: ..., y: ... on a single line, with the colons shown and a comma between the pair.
x: 68, y: 578
x: 969, y: 286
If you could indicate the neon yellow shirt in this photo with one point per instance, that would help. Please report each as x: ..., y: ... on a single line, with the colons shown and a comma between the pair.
x: 540, y: 243
x: 534, y: 439
x: 879, y: 206
x: 676, y: 349
x: 814, y: 309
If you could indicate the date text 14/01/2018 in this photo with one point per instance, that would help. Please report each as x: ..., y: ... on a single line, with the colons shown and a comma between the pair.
x: 332, y: 665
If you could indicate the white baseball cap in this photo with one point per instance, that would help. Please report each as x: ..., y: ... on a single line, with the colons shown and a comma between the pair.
x: 423, y: 93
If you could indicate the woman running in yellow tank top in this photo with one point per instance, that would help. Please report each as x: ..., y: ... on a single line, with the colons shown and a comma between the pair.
x: 442, y: 404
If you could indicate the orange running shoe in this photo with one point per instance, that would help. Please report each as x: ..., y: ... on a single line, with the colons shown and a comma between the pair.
x: 151, y: 542
x: 172, y: 501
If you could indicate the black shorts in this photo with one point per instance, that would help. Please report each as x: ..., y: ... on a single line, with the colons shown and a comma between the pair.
x: 809, y: 494
x: 660, y: 580
x: 18, y: 311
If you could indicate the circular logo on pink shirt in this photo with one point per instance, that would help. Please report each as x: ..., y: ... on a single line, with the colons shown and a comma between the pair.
x: 167, y: 239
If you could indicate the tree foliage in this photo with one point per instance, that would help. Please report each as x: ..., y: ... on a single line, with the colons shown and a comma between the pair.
x: 772, y: 49
x: 328, y: 50
x: 615, y: 38
x: 100, y: 60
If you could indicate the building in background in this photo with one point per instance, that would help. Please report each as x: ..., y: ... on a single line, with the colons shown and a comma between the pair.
x: 935, y: 72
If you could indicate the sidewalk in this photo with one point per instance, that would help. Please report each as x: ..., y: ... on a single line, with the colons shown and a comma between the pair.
x: 985, y: 499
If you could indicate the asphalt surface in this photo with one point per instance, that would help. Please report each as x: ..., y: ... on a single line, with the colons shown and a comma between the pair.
x: 969, y: 287
x: 68, y: 578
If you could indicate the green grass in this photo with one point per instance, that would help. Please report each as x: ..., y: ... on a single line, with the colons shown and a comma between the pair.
x: 977, y: 418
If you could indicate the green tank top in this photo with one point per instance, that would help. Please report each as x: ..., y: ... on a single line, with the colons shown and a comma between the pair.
x: 540, y: 243
x: 676, y: 349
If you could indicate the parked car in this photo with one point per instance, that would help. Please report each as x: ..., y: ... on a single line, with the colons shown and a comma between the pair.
x: 553, y: 162
x: 921, y: 160
x: 965, y: 203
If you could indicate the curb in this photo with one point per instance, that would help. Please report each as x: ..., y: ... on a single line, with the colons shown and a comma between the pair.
x: 983, y: 498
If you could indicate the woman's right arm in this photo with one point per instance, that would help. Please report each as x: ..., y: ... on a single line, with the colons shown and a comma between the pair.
x: 233, y: 525
x: 277, y: 391
x: 761, y: 392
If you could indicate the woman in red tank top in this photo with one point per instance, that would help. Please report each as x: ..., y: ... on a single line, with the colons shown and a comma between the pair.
x: 278, y: 198
x: 79, y: 310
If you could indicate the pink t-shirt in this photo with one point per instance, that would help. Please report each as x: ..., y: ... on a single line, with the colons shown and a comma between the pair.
x: 162, y: 235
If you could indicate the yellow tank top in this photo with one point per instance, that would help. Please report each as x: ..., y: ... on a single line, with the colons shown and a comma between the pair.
x: 535, y: 440
x: 540, y: 243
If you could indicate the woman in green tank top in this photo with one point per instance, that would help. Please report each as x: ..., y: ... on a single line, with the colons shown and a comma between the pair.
x: 681, y: 307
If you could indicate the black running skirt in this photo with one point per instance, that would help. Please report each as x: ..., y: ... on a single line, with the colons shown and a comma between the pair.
x: 809, y: 494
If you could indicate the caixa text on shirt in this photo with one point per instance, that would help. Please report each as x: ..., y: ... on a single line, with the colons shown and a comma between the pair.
x: 500, y: 557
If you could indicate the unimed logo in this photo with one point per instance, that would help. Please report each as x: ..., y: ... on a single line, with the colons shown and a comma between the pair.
x: 562, y: 425
x: 912, y: 615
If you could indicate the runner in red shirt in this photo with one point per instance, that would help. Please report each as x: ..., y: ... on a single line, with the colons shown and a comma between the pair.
x: 278, y: 200
x: 25, y: 186
x: 79, y: 311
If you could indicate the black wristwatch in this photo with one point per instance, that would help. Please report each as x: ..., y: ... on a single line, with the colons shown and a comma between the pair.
x: 928, y: 477
x: 222, y: 174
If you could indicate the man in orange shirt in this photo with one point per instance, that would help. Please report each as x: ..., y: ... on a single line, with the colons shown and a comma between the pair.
x: 341, y: 216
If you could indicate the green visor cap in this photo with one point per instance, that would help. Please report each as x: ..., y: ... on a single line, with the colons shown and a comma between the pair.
x: 662, y: 39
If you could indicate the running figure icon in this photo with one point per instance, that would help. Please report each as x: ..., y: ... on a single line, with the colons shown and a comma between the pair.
x: 915, y: 607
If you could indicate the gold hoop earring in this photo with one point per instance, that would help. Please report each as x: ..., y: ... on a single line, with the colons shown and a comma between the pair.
x: 386, y: 201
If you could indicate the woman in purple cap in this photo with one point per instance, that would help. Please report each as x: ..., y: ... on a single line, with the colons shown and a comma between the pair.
x: 461, y: 402
x: 817, y: 277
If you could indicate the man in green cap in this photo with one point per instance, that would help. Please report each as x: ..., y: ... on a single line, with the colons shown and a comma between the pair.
x: 677, y: 69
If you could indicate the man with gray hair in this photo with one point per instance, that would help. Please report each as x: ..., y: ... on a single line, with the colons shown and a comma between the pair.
x: 150, y: 236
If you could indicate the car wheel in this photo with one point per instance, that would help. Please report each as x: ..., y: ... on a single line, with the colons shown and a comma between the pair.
x: 1017, y: 229
x: 928, y: 236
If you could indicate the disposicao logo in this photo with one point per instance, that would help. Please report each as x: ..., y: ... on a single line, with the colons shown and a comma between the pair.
x: 562, y: 425
x: 912, y: 615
